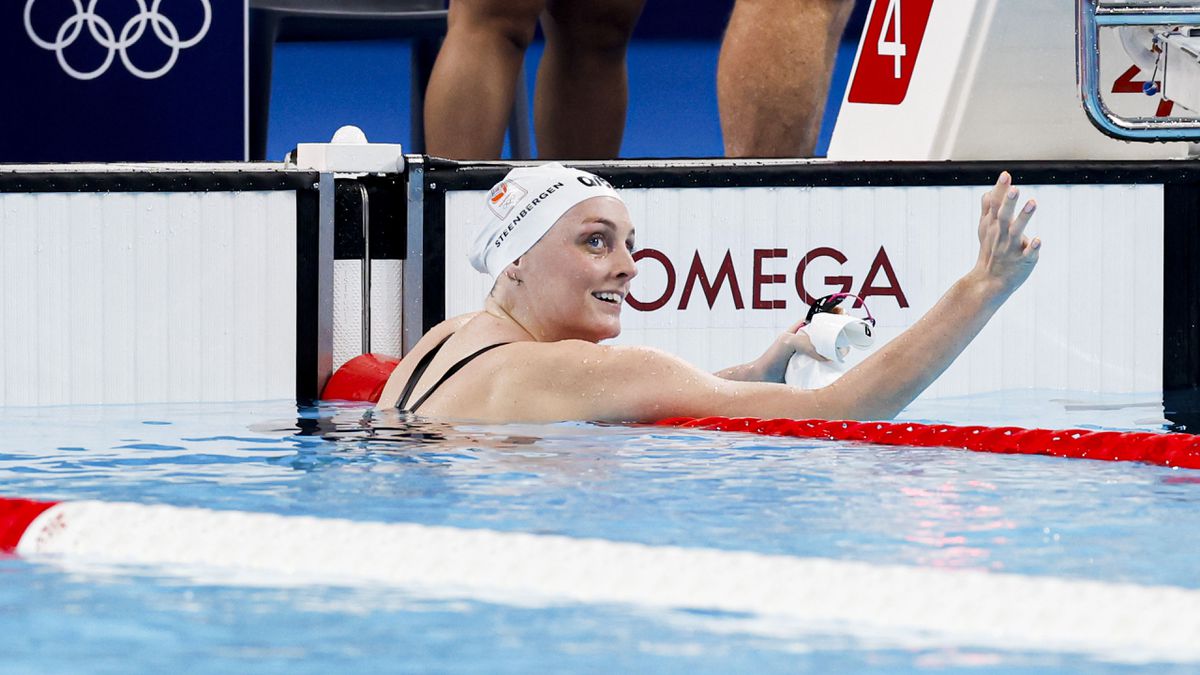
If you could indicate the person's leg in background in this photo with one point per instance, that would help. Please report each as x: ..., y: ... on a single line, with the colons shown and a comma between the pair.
x: 773, y: 76
x: 471, y: 88
x: 583, y: 85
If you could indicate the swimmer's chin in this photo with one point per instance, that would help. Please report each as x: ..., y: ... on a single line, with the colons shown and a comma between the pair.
x: 610, y: 335
x: 596, y: 336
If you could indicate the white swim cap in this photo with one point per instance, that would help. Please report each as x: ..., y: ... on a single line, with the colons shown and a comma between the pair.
x: 524, y: 206
x: 833, y: 335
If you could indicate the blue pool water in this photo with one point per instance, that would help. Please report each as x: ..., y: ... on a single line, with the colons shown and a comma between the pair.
x: 1111, y: 522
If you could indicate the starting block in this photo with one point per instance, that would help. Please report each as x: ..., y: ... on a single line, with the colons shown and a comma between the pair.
x: 1003, y: 80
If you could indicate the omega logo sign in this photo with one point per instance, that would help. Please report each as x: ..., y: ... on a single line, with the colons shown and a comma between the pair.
x: 767, y: 290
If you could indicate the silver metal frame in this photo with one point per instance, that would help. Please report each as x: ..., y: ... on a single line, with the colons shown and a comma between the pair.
x: 366, y: 269
x: 414, y: 262
x: 324, y: 309
x: 1091, y: 16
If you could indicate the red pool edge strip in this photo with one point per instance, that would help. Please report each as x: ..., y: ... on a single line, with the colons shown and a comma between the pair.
x: 15, y: 517
x: 1164, y: 449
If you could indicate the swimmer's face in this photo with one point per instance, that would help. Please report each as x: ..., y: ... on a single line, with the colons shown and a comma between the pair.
x: 577, y: 276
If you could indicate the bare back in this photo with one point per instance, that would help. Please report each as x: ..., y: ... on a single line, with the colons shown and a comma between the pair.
x: 526, y: 380
x: 531, y: 381
x: 457, y: 339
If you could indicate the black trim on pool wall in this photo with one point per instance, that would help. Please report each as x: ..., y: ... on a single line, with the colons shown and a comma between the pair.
x: 386, y: 217
x: 435, y: 253
x: 166, y: 181
x: 1181, y: 306
x: 308, y: 294
x: 481, y: 176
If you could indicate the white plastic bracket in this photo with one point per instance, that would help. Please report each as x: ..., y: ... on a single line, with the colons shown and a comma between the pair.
x: 349, y: 152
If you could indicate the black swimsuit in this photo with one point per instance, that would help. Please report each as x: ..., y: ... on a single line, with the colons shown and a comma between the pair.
x: 424, y: 363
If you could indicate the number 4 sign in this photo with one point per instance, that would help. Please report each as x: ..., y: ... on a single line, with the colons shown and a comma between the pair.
x: 889, y: 51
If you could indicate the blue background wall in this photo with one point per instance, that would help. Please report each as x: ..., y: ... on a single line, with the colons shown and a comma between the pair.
x: 103, y: 86
x: 318, y: 87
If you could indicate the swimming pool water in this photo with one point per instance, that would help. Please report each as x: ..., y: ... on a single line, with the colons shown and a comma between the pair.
x: 1112, y: 522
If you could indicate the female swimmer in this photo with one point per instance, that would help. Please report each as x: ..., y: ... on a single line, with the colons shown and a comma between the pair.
x: 559, y: 243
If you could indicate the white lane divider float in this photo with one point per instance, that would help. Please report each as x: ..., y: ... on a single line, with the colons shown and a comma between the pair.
x: 933, y: 607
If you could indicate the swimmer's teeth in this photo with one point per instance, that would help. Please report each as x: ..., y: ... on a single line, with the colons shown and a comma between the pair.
x: 609, y: 297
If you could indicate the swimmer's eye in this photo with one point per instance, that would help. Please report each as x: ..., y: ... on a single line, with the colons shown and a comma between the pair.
x: 597, y: 241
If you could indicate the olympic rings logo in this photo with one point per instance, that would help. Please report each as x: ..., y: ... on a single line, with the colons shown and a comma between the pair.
x: 102, y: 32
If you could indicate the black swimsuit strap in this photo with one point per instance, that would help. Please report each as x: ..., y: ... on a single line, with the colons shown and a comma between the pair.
x: 419, y: 371
x: 454, y: 369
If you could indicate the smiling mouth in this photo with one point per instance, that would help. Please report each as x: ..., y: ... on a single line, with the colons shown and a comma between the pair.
x: 611, y: 297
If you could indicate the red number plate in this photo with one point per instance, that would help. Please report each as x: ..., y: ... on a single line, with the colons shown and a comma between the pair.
x: 889, y: 51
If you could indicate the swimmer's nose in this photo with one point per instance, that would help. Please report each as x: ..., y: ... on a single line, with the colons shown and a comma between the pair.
x: 626, y: 268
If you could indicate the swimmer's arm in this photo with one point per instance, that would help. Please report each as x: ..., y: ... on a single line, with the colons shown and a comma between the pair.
x: 604, y: 383
x: 771, y: 366
x: 640, y: 384
x: 889, y: 379
x: 893, y: 376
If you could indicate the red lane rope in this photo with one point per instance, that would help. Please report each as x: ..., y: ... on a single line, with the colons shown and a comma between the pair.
x: 1164, y: 449
x: 363, y: 378
x: 15, y: 517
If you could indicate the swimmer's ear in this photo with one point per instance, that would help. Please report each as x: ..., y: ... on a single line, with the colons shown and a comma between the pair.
x: 511, y: 272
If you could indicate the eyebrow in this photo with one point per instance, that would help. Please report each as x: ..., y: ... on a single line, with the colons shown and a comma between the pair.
x: 611, y: 225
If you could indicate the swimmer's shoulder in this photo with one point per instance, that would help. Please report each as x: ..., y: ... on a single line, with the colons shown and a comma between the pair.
x: 576, y: 365
x: 440, y: 332
x: 579, y: 380
x: 446, y: 328
x: 568, y: 352
x: 443, y: 330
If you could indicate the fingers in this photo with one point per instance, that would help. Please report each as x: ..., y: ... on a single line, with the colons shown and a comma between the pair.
x: 1008, y: 207
x: 1003, y: 200
x: 1018, y: 227
x: 995, y: 198
x: 1005, y: 251
x: 1030, y: 248
x: 800, y: 343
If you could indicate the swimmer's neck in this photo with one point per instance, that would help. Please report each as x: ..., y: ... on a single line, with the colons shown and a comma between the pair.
x: 522, y: 326
x: 498, y: 312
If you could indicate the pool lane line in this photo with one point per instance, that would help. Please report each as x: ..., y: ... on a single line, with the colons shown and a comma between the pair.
x: 928, y: 607
x: 1164, y: 449
x: 15, y: 517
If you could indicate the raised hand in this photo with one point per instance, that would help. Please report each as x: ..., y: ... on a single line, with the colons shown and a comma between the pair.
x: 1006, y: 255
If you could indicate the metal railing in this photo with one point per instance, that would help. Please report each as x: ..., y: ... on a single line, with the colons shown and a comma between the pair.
x: 1091, y: 15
